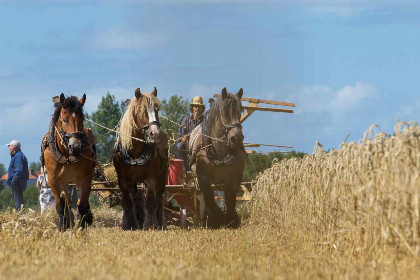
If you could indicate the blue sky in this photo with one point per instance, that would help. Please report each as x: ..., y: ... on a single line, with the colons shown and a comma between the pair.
x: 346, y: 64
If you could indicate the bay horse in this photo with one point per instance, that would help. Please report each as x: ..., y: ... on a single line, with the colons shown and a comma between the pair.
x: 220, y: 162
x: 68, y: 152
x: 141, y: 156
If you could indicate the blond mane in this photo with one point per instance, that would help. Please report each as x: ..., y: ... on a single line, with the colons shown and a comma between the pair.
x: 136, y: 107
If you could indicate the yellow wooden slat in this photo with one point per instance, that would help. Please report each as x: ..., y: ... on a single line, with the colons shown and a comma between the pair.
x: 257, y: 100
x: 269, y: 109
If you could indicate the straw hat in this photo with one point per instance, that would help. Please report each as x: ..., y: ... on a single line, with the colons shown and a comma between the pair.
x: 197, y: 101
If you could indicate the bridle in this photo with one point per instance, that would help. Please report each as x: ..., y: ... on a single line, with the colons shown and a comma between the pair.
x: 65, y: 137
x: 227, y: 128
x: 145, y: 129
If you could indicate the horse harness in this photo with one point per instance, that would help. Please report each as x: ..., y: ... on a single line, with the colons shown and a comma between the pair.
x: 210, y: 149
x: 148, y: 150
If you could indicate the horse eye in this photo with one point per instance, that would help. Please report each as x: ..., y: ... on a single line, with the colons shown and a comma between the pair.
x: 65, y: 120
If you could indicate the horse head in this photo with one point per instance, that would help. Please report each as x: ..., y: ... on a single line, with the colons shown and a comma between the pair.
x: 140, y: 119
x: 148, y: 117
x: 70, y: 123
x: 230, y: 114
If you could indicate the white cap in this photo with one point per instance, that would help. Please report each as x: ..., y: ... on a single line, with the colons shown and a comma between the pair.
x: 15, y: 143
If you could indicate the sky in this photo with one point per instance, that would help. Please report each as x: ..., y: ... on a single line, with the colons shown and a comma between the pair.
x: 345, y: 64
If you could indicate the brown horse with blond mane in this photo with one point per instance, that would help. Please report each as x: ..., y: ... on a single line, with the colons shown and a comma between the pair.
x: 141, y: 157
x: 69, y: 155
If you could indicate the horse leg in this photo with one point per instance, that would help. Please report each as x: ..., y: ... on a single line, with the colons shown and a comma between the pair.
x: 159, y: 199
x: 215, y: 215
x: 136, y: 207
x: 86, y: 216
x: 232, y: 219
x: 126, y: 204
x: 65, y: 215
x: 150, y: 205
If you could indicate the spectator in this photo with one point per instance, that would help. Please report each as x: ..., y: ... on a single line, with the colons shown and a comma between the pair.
x: 46, y: 197
x: 17, y: 174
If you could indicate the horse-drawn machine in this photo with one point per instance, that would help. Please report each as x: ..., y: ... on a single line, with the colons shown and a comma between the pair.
x: 183, y: 200
x: 154, y: 191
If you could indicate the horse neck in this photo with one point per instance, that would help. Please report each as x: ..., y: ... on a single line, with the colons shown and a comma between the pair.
x: 138, y: 146
x: 216, y: 132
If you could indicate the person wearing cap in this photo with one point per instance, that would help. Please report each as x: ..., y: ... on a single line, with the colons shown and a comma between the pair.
x: 17, y: 173
x: 187, y: 125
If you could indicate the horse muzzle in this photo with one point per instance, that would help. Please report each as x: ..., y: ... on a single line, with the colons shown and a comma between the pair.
x: 235, y: 137
x: 75, y: 147
x: 153, y: 134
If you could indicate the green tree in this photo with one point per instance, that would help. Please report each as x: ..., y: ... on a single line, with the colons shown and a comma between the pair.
x: 2, y: 172
x: 257, y: 163
x: 35, y: 166
x: 174, y: 109
x: 108, y: 114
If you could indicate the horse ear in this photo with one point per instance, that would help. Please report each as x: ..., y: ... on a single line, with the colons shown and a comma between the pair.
x: 224, y: 93
x: 82, y: 100
x: 240, y: 93
x: 62, y: 98
x: 137, y: 93
x: 154, y: 92
x: 211, y: 100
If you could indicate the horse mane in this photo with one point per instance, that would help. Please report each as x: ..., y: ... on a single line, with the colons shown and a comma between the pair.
x: 229, y: 106
x: 136, y: 107
x: 70, y: 103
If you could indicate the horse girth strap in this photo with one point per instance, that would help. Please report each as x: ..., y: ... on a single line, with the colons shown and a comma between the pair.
x: 144, y: 158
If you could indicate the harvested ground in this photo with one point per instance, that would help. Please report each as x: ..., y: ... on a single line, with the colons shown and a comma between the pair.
x: 348, y: 213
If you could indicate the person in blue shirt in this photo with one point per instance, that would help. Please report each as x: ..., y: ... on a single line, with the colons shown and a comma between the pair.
x: 17, y: 173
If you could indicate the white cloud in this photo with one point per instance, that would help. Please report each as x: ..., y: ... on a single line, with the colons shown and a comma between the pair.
x: 343, y: 12
x: 409, y: 110
x: 124, y: 38
x: 350, y: 96
x: 323, y: 99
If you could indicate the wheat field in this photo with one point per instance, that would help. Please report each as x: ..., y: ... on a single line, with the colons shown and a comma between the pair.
x: 347, y: 213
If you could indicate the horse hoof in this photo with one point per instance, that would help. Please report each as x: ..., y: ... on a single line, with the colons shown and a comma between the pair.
x: 233, y: 222
x: 86, y: 220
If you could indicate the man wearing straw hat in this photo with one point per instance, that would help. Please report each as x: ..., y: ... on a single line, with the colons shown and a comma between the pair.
x: 17, y: 173
x: 187, y: 125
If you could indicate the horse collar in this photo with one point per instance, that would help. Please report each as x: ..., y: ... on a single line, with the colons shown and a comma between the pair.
x: 144, y: 158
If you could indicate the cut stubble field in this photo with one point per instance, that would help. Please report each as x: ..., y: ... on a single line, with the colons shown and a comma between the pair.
x: 347, y: 213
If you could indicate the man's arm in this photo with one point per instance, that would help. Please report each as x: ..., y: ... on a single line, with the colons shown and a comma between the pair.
x: 182, y: 128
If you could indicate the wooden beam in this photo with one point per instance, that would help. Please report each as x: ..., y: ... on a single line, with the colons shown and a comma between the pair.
x: 269, y: 145
x: 269, y: 109
x: 257, y: 100
x: 249, y: 111
x: 281, y: 103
